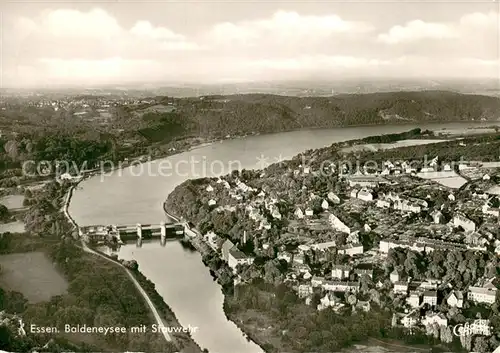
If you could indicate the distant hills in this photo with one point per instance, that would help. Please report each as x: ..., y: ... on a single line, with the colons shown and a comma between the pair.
x: 221, y: 115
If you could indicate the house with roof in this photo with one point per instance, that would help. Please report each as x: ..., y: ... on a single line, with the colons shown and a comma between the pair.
x: 354, y: 193
x: 430, y: 297
x: 341, y: 271
x: 309, y: 212
x: 212, y: 202
x: 317, y: 281
x: 363, y: 305
x: 209, y: 188
x: 364, y: 272
x: 400, y: 287
x: 461, y: 221
x: 237, y: 257
x: 410, y: 320
x: 329, y: 300
x: 437, y: 216
x: 299, y: 214
x: 394, y: 276
x: 485, y: 294
x: 351, y: 249
x: 435, y: 318
x: 226, y: 246
x: 455, y: 299
x: 341, y: 286
x: 365, y: 195
x: 333, y: 198
x: 414, y: 299
x: 324, y: 246
x: 304, y: 290
x: 338, y: 225
x: 324, y: 205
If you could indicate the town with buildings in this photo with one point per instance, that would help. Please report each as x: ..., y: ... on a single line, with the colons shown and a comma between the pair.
x: 352, y: 239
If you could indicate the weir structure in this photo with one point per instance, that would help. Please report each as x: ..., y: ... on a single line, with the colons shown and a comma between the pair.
x: 139, y: 232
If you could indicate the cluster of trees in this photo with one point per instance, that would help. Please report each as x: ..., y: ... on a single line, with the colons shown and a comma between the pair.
x: 245, y: 114
x: 302, y: 328
x: 461, y: 269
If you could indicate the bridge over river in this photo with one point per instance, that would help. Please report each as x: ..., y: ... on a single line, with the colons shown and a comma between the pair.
x: 120, y: 233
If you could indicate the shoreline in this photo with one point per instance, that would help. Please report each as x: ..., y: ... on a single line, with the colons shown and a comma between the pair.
x: 137, y: 275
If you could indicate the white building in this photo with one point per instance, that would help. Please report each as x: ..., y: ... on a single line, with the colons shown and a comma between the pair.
x: 486, y: 294
x: 455, y: 299
x: 212, y: 202
x: 209, y: 188
x: 309, y: 212
x: 430, y: 297
x: 337, y: 224
x: 461, y: 221
x: 365, y: 195
x: 299, y: 214
x: 414, y: 299
x: 340, y: 271
x: 351, y: 249
x: 334, y: 198
x: 435, y: 318
x: 324, y: 205
x: 394, y: 276
x: 236, y: 257
x: 400, y: 287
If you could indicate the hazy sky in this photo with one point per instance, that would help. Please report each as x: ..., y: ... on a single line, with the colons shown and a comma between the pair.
x: 205, y: 41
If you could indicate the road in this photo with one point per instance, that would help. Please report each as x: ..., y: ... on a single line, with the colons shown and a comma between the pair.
x: 156, y: 315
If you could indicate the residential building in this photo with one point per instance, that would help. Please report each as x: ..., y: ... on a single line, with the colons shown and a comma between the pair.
x: 365, y: 195
x: 309, y: 212
x: 324, y: 246
x: 329, y: 300
x: 430, y: 297
x: 409, y: 321
x: 461, y: 221
x: 394, y: 276
x: 299, y: 214
x: 354, y: 193
x: 338, y: 225
x: 236, y: 257
x: 226, y: 246
x: 333, y: 198
x: 414, y: 299
x: 341, y: 271
x: 486, y: 294
x: 363, y: 271
x: 212, y: 202
x: 337, y: 286
x: 351, y: 249
x: 437, y: 217
x: 383, y: 203
x: 435, y: 318
x: 285, y: 255
x: 364, y: 181
x: 209, y: 188
x: 363, y: 305
x: 400, y: 287
x: 455, y: 299
x: 317, y: 281
x: 304, y: 290
x: 324, y: 205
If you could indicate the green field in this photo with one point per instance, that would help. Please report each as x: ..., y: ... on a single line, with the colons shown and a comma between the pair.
x: 32, y: 274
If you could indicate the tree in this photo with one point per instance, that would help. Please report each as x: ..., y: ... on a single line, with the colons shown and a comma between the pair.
x: 481, y: 345
x: 4, y: 212
x: 446, y: 334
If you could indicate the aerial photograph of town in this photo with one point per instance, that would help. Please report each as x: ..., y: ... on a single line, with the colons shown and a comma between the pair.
x: 233, y: 176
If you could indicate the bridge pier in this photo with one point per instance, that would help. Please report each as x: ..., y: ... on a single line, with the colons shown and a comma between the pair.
x: 138, y: 243
x: 139, y: 231
x: 163, y: 231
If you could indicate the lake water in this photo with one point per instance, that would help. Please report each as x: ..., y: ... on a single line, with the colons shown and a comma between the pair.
x: 136, y: 195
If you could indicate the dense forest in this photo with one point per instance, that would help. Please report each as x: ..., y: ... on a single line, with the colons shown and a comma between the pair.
x: 218, y: 116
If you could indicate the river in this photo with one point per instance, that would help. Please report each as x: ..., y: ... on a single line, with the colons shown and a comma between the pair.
x: 136, y: 194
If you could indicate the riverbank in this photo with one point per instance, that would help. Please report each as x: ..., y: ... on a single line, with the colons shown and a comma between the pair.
x: 167, y: 315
